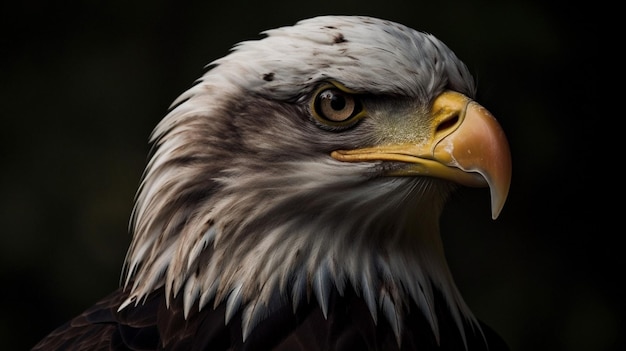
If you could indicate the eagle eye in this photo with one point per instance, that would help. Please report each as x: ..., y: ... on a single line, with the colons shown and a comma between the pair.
x: 335, y: 107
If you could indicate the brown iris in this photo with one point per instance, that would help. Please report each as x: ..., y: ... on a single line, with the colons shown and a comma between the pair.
x: 336, y: 107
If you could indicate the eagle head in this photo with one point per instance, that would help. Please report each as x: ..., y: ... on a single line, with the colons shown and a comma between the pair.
x: 312, y: 161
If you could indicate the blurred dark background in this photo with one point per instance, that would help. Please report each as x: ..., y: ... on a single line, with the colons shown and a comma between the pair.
x: 83, y: 83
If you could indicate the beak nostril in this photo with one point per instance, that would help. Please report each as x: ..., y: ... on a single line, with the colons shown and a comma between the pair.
x: 448, y: 122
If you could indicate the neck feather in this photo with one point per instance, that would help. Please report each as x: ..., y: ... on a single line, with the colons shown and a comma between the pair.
x: 376, y: 236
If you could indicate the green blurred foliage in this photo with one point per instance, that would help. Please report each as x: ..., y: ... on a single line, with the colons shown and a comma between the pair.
x: 83, y: 83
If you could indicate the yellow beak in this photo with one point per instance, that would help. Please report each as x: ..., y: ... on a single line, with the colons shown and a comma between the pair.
x: 466, y: 145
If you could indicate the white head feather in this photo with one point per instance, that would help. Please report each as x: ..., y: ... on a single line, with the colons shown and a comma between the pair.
x: 240, y: 202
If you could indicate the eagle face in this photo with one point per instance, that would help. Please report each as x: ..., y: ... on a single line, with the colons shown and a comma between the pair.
x: 314, y: 161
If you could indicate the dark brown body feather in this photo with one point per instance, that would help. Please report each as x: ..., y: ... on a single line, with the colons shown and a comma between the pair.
x: 349, y: 326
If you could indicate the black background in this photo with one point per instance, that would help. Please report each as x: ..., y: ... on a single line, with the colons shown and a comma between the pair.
x: 83, y: 83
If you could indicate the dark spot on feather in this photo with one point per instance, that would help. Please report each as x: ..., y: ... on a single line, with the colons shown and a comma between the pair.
x: 339, y: 38
x: 330, y: 27
x: 268, y: 77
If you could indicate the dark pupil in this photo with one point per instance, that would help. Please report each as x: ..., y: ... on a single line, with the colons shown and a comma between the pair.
x: 337, y: 102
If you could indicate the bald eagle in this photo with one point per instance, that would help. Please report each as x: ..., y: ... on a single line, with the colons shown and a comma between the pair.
x: 292, y: 201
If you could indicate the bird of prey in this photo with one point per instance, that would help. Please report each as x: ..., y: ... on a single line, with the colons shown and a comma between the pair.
x: 292, y: 201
